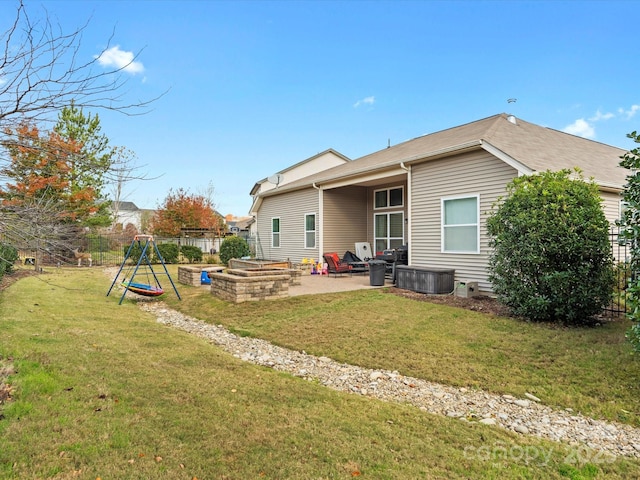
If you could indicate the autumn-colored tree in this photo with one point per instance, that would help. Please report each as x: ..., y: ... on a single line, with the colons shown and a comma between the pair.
x: 33, y: 172
x: 43, y: 167
x: 183, y: 210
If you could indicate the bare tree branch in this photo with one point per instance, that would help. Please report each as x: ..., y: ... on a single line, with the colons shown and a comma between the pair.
x: 40, y: 73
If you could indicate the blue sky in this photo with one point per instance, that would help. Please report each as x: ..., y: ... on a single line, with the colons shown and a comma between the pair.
x: 256, y: 86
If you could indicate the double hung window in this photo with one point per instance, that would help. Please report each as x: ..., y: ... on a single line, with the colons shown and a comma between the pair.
x: 460, y: 225
x: 310, y: 230
x: 275, y: 232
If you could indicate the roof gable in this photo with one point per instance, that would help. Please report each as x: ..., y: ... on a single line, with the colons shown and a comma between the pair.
x: 542, y: 148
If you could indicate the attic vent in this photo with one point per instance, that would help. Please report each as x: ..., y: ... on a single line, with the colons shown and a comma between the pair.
x: 512, y: 119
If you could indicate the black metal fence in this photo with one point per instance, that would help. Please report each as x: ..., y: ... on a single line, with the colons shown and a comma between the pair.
x: 106, y: 249
x: 620, y: 252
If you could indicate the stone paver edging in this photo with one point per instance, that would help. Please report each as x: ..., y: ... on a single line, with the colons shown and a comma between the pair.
x: 524, y: 416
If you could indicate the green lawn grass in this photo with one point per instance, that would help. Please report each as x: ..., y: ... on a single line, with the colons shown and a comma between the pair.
x: 102, y: 390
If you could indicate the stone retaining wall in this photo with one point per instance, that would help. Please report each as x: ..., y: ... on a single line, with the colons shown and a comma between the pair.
x: 190, y: 274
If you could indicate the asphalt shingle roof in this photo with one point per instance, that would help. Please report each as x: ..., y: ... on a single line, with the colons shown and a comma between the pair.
x: 536, y: 147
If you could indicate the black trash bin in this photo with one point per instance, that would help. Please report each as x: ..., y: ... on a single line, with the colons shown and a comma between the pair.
x: 377, y: 270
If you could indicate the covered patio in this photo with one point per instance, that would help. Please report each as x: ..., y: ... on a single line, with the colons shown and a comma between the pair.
x: 315, y: 284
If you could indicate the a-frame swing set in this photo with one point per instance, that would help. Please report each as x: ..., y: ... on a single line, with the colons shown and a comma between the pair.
x: 145, y: 267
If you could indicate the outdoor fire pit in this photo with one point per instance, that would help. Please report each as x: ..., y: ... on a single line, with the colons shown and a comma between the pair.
x: 239, y: 285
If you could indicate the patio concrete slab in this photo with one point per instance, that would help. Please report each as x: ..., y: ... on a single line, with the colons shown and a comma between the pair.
x: 315, y: 284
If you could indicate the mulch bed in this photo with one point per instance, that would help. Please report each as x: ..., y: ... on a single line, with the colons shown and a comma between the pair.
x: 480, y: 303
x: 491, y: 306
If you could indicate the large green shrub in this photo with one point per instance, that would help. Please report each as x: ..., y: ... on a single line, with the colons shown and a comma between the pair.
x: 233, y: 247
x: 631, y: 234
x: 551, y: 257
x: 169, y: 252
x: 191, y: 253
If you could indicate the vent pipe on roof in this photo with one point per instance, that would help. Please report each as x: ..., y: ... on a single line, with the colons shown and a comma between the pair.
x: 512, y: 119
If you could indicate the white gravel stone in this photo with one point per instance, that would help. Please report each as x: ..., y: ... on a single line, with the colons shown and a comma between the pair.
x: 532, y: 397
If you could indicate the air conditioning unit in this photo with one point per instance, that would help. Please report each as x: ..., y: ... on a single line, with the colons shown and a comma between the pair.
x: 466, y: 289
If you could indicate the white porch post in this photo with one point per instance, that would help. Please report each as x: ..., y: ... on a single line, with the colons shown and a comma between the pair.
x: 320, y: 222
x: 409, y: 215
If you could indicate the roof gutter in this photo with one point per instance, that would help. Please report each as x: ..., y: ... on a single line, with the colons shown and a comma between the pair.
x: 609, y: 187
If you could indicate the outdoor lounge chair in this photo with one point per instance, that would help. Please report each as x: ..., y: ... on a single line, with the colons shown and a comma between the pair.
x: 336, y: 266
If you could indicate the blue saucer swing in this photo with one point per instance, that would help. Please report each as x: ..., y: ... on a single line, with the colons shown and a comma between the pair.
x: 146, y: 246
x: 143, y: 289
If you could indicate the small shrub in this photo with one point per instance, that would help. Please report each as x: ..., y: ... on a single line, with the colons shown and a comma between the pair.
x: 191, y: 253
x: 233, y: 247
x: 211, y: 259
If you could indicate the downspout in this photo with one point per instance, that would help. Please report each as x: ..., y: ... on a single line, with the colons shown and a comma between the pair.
x: 409, y: 215
x: 258, y: 245
x: 320, y: 222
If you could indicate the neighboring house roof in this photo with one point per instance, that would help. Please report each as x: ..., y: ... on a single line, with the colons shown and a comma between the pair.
x: 240, y: 223
x: 127, y: 206
x: 244, y: 223
x: 526, y: 146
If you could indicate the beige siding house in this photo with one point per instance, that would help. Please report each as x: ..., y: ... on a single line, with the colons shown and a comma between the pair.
x: 433, y: 193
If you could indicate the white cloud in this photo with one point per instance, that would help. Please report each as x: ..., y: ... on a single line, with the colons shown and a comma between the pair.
x: 120, y: 59
x: 365, y: 101
x: 581, y: 128
x: 629, y: 113
x: 601, y: 116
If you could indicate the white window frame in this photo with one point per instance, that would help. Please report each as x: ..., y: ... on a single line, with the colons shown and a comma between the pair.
x: 388, y: 237
x: 278, y: 233
x: 388, y: 190
x: 476, y: 224
x: 306, y: 232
